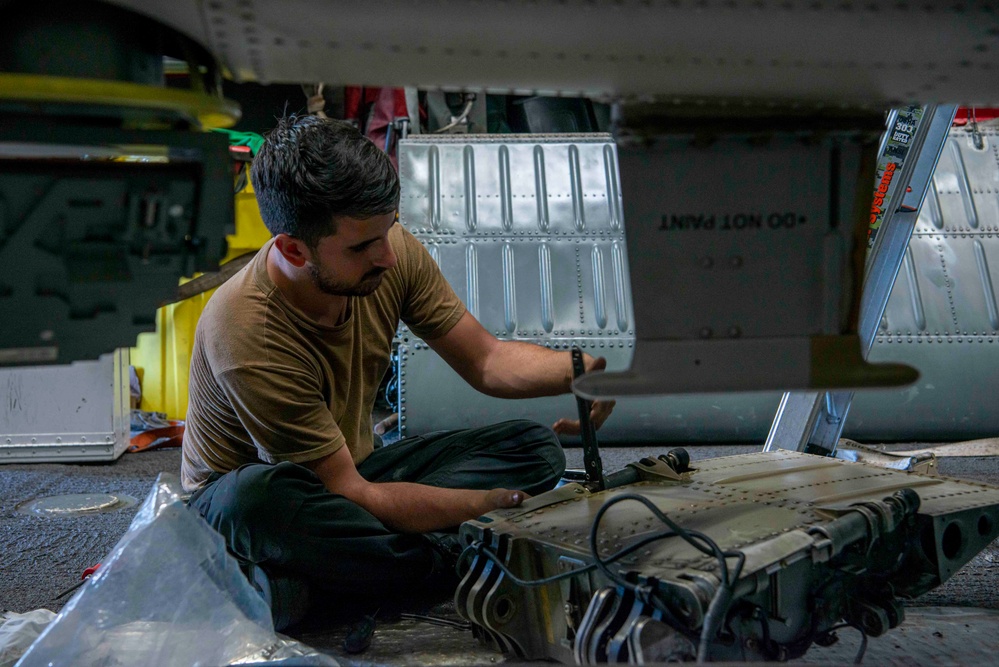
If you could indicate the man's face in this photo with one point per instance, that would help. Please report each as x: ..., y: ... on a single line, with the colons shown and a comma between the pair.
x: 352, y: 261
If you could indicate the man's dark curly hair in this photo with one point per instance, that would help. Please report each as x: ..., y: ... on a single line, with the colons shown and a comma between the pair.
x: 312, y: 171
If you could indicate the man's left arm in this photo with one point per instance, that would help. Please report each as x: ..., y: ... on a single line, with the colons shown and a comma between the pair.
x: 514, y: 369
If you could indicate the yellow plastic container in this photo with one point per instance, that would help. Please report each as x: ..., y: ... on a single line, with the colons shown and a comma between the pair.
x: 162, y: 358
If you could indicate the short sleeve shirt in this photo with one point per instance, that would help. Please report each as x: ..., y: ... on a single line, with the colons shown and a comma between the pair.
x: 268, y: 384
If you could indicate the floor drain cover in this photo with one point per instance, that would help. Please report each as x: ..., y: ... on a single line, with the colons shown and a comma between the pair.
x: 75, y: 504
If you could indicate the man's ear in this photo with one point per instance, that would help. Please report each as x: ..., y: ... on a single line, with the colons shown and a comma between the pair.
x: 293, y: 250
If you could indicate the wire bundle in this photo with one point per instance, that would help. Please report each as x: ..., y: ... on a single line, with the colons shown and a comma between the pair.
x: 716, y: 610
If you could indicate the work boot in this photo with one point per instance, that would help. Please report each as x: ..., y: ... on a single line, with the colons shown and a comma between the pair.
x: 287, y: 596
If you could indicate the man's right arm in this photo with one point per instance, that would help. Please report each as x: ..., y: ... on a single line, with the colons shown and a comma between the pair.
x: 408, y: 507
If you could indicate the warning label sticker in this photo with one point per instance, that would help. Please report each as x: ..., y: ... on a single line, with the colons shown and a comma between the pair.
x: 897, y: 146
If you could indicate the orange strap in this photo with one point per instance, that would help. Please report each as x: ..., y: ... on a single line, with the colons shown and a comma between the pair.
x: 166, y: 436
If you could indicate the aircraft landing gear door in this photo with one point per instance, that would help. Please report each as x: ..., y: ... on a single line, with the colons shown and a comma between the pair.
x: 747, y: 235
x: 813, y: 421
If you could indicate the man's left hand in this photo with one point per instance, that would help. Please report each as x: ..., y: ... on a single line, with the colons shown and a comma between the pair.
x: 599, y: 410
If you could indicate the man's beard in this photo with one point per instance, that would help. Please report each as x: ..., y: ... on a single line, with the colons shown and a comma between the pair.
x: 369, y: 282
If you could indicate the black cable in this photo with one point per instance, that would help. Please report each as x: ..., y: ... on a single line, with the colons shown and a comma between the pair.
x: 718, y: 609
x: 863, y: 640
x: 696, y: 539
x: 767, y: 643
x: 719, y: 603
x: 479, y: 547
x: 667, y: 613
x: 800, y: 646
x: 863, y: 646
x: 722, y: 599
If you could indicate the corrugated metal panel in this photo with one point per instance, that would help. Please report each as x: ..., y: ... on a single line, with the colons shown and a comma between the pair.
x: 529, y: 232
x: 945, y: 289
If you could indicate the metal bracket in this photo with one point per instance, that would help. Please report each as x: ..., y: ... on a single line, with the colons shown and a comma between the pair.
x: 654, y: 470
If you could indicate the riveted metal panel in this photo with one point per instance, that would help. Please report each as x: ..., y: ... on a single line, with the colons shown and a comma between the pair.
x: 965, y: 193
x: 970, y: 281
x: 531, y: 185
x: 529, y: 232
x: 964, y: 187
x: 946, y: 286
x: 942, y: 316
x: 920, y: 302
x: 539, y: 287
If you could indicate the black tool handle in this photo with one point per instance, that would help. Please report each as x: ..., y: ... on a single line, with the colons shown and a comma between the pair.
x: 591, y: 450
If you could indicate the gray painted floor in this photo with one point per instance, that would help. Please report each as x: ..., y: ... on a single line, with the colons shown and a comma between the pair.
x: 44, y: 556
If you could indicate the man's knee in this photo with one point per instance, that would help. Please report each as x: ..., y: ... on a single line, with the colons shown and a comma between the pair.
x: 549, y: 447
x: 540, y: 440
x: 252, y: 505
x: 526, y: 431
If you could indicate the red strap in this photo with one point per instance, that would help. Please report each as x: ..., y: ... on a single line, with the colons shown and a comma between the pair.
x: 401, y: 111
x: 352, y: 103
x: 963, y: 116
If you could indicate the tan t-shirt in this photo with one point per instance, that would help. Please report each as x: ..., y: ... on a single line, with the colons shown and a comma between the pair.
x: 268, y: 384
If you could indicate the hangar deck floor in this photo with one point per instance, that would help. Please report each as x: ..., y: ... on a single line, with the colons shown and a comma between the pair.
x: 955, y: 624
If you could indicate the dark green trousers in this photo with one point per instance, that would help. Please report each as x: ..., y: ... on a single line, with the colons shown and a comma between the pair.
x: 282, y: 518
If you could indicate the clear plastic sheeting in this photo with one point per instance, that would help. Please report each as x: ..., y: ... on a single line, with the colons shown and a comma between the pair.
x: 167, y: 594
x: 19, y: 631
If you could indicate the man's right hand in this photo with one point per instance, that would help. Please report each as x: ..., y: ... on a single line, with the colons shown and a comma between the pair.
x: 501, y: 499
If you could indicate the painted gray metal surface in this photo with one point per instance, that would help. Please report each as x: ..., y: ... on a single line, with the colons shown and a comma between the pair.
x: 830, y: 51
x: 753, y: 285
x: 76, y: 412
x: 942, y: 316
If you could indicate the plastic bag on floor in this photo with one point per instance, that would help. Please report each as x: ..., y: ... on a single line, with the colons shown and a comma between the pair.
x: 18, y: 631
x: 167, y: 594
